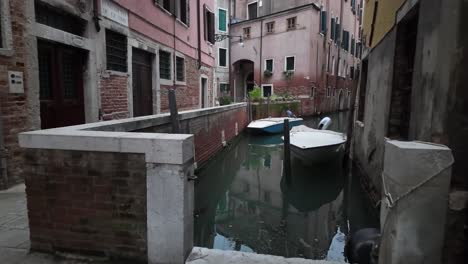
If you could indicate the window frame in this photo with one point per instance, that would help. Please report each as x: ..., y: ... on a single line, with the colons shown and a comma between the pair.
x: 252, y: 3
x: 183, y: 82
x: 171, y: 63
x: 273, y: 27
x: 226, y: 20
x: 245, y: 35
x: 272, y: 89
x: 323, y: 22
x: 6, y: 38
x: 107, y: 51
x: 272, y: 64
x: 229, y: 88
x: 207, y: 28
x: 295, y: 23
x: 286, y: 63
x: 219, y: 57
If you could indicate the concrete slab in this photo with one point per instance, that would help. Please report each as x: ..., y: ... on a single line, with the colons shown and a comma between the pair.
x: 214, y: 256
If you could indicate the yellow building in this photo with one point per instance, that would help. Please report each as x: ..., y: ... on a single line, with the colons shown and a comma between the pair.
x: 379, y: 19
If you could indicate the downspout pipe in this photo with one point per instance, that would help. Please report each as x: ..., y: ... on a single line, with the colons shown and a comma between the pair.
x: 261, y: 52
x: 199, y: 35
x: 96, y: 15
x: 3, y: 168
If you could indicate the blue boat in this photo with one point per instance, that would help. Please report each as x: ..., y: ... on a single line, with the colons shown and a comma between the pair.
x: 273, y: 125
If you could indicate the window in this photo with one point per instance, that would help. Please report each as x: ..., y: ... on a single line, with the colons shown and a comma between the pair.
x: 328, y: 91
x: 180, y: 69
x: 323, y: 22
x: 333, y: 66
x: 116, y: 51
x: 209, y: 26
x: 269, y: 65
x: 267, y: 90
x: 252, y: 10
x: 179, y: 8
x: 58, y: 19
x: 270, y: 27
x: 222, y: 57
x: 337, y: 31
x: 184, y: 11
x: 345, y: 40
x: 164, y: 65
x: 291, y: 23
x: 166, y: 4
x: 290, y: 63
x: 222, y: 19
x: 332, y: 28
x: 224, y: 88
x: 246, y: 32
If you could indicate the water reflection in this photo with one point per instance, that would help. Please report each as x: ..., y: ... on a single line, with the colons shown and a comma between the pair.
x: 244, y: 203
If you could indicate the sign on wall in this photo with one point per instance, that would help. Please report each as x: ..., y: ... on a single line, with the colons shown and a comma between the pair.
x: 15, y: 79
x: 114, y: 12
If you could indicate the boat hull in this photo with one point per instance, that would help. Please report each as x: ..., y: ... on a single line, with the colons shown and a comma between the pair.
x: 275, y: 128
x: 319, y: 154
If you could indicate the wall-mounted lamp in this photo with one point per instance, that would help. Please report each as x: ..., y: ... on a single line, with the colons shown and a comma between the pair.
x: 221, y: 37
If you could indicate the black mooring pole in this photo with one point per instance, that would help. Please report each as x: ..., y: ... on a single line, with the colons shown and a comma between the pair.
x: 287, y: 152
x: 174, y: 112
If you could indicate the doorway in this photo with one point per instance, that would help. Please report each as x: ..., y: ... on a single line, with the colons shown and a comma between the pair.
x: 142, y: 85
x: 204, y: 92
x: 249, y: 83
x: 61, y: 70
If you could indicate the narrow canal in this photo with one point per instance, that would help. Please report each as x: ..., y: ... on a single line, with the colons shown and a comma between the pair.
x: 243, y: 203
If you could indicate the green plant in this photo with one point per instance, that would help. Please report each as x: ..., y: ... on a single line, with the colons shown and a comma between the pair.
x: 288, y: 74
x: 267, y: 73
x: 256, y: 94
x: 225, y: 100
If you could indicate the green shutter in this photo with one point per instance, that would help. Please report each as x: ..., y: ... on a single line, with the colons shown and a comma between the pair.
x: 337, y: 32
x: 332, y: 29
x: 222, y: 20
x: 323, y: 22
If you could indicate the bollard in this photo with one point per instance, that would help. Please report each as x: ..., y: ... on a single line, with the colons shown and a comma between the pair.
x: 287, y: 152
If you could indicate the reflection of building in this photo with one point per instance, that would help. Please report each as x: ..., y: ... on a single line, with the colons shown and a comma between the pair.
x: 257, y: 212
x: 413, y: 88
x: 307, y: 49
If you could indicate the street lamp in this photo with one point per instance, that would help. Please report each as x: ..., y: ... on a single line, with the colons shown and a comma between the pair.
x: 221, y: 37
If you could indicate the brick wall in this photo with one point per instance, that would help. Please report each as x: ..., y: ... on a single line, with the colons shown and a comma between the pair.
x: 87, y: 202
x: 188, y: 96
x: 208, y: 130
x: 14, y: 108
x: 114, y: 96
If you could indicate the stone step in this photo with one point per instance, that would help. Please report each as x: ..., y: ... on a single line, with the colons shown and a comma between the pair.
x: 215, y: 256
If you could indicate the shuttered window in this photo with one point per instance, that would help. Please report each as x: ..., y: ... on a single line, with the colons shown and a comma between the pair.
x: 323, y: 22
x: 164, y: 65
x: 116, y: 51
x: 332, y: 28
x: 345, y: 40
x: 180, y: 69
x: 337, y: 32
x: 222, y: 20
x: 253, y: 10
x: 222, y: 57
x: 209, y: 19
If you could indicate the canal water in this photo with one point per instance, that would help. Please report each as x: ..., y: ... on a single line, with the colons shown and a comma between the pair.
x: 243, y: 203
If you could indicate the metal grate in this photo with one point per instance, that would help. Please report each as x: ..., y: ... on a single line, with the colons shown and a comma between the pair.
x: 180, y: 69
x: 116, y: 51
x: 164, y: 65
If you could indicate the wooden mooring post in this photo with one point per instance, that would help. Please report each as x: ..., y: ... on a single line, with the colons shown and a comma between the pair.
x: 174, y: 113
x: 287, y: 152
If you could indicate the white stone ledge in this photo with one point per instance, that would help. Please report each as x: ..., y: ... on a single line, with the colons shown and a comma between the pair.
x: 158, y: 148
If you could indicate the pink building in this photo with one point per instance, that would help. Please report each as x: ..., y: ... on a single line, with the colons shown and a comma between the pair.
x: 294, y: 50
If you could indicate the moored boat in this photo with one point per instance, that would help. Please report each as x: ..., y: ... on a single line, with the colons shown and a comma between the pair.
x: 315, y: 146
x: 273, y: 125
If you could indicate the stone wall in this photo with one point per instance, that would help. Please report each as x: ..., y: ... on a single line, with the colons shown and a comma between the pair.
x: 14, y: 112
x: 91, y: 203
x: 211, y: 130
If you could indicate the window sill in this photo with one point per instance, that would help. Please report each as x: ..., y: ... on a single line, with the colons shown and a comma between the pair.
x: 117, y: 73
x: 359, y: 124
x: 7, y: 52
x: 182, y: 23
x: 183, y: 83
x: 166, y: 82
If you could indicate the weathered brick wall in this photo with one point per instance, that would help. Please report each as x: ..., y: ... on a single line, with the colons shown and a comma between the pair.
x: 208, y: 130
x: 114, y: 96
x: 13, y: 107
x: 188, y: 96
x: 87, y: 202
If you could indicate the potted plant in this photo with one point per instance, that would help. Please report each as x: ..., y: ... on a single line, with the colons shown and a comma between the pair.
x: 288, y: 74
x: 267, y: 73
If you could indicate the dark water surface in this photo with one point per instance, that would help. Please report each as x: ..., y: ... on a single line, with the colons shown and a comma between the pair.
x: 243, y: 203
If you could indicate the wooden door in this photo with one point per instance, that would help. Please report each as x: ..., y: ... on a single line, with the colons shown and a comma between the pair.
x: 142, y: 83
x: 61, y: 85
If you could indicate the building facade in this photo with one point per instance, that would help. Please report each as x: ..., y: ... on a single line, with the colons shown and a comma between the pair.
x: 75, y: 61
x: 411, y: 88
x: 222, y: 54
x: 304, y: 49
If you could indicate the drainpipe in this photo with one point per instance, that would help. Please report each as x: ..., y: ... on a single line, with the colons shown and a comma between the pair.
x: 231, y: 85
x: 3, y: 168
x: 96, y: 15
x: 199, y: 35
x: 174, y: 47
x: 340, y: 35
x: 261, y: 51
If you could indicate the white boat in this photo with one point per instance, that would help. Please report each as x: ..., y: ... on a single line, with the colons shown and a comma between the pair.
x: 273, y: 125
x: 313, y: 145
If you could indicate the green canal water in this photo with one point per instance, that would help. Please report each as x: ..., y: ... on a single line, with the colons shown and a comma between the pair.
x: 243, y: 203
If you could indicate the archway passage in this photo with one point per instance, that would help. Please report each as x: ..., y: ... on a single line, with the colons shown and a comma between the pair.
x: 244, y: 80
x: 249, y: 82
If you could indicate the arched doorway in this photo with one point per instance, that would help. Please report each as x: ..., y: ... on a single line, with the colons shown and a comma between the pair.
x: 243, y: 78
